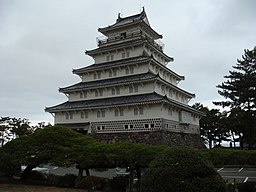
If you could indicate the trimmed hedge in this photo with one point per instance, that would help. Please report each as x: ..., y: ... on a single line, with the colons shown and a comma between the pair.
x: 231, y: 157
x: 183, y: 170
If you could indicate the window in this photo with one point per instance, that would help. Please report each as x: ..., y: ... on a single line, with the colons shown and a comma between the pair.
x: 121, y: 112
x: 123, y: 35
x: 123, y: 55
x: 114, y: 72
x: 94, y: 76
x: 103, y: 113
x: 98, y: 113
x: 99, y: 75
x: 85, y: 94
x: 112, y: 57
x: 101, y: 92
x: 136, y: 88
x: 131, y: 126
x: 130, y: 89
x: 113, y: 91
x: 180, y: 116
x: 110, y: 73
x: 127, y: 54
x: 141, y: 110
x: 71, y: 115
x: 118, y: 90
x: 152, y: 125
x: 96, y: 93
x: 103, y: 127
x: 81, y: 94
x: 82, y: 115
x: 67, y: 116
x: 135, y: 110
x: 116, y: 112
x: 126, y: 126
x: 146, y: 126
x: 126, y: 71
x: 170, y: 111
x: 107, y: 58
x: 131, y: 70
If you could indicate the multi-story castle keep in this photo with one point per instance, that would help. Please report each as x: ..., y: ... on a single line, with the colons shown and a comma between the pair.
x: 129, y: 93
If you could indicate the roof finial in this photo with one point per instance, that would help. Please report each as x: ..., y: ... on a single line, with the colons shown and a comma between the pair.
x: 119, y: 17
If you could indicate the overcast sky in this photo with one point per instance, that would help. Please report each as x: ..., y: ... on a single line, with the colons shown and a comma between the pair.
x: 41, y: 41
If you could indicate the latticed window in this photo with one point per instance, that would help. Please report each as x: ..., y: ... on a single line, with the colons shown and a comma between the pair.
x: 136, y: 88
x: 101, y: 92
x: 141, y: 110
x: 118, y: 90
x: 113, y: 91
x: 135, y: 111
x: 103, y: 113
x: 116, y: 112
x: 121, y: 112
x: 98, y: 113
x: 130, y: 89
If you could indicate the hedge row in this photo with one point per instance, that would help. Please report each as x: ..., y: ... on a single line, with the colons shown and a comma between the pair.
x: 231, y: 157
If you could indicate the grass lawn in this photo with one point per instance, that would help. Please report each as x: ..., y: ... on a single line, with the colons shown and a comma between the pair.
x: 35, y: 188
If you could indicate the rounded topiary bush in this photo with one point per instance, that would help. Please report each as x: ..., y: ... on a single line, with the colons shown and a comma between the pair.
x: 182, y: 170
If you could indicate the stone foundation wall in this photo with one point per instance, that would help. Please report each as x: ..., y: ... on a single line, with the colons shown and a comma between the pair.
x: 152, y: 137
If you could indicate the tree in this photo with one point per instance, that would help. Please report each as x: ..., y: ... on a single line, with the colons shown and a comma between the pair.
x: 11, y: 127
x: 51, y: 145
x: 212, y: 129
x: 239, y: 90
x: 183, y: 170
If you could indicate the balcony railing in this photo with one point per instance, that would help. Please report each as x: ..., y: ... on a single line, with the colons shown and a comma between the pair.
x: 103, y: 41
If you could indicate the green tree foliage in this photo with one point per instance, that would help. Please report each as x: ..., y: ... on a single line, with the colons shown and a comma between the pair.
x: 239, y: 90
x: 51, y: 145
x: 212, y: 128
x: 12, y: 126
x: 183, y: 170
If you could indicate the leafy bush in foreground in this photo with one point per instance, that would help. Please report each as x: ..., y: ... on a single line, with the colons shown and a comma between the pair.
x: 183, y: 170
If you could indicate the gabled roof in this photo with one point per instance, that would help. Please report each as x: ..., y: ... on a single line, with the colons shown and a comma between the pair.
x: 130, y: 20
x: 117, y: 102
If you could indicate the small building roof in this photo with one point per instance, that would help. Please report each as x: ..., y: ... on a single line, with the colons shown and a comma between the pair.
x: 118, y: 102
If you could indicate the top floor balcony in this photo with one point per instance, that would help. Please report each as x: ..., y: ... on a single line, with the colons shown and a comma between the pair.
x: 126, y: 37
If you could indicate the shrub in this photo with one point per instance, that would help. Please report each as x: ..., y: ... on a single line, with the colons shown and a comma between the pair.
x: 222, y: 157
x: 36, y: 176
x: 91, y: 182
x: 67, y: 180
x: 119, y: 184
x: 183, y: 170
x: 247, y: 187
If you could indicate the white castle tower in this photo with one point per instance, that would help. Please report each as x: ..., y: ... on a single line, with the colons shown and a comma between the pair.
x: 129, y: 93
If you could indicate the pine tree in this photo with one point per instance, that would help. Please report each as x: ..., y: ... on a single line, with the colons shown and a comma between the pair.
x: 240, y: 93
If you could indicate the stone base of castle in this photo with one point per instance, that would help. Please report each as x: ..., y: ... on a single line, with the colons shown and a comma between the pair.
x: 153, y: 137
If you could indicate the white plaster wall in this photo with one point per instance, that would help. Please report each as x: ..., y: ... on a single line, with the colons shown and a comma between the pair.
x: 147, y: 87
x: 149, y: 111
x: 120, y: 72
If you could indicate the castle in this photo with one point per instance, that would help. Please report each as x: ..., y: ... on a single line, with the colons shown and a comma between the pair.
x: 129, y: 93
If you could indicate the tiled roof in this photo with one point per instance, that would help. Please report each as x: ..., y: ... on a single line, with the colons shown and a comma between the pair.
x: 106, y: 102
x: 116, y: 46
x: 112, y: 64
x: 111, y: 81
x: 119, y: 101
